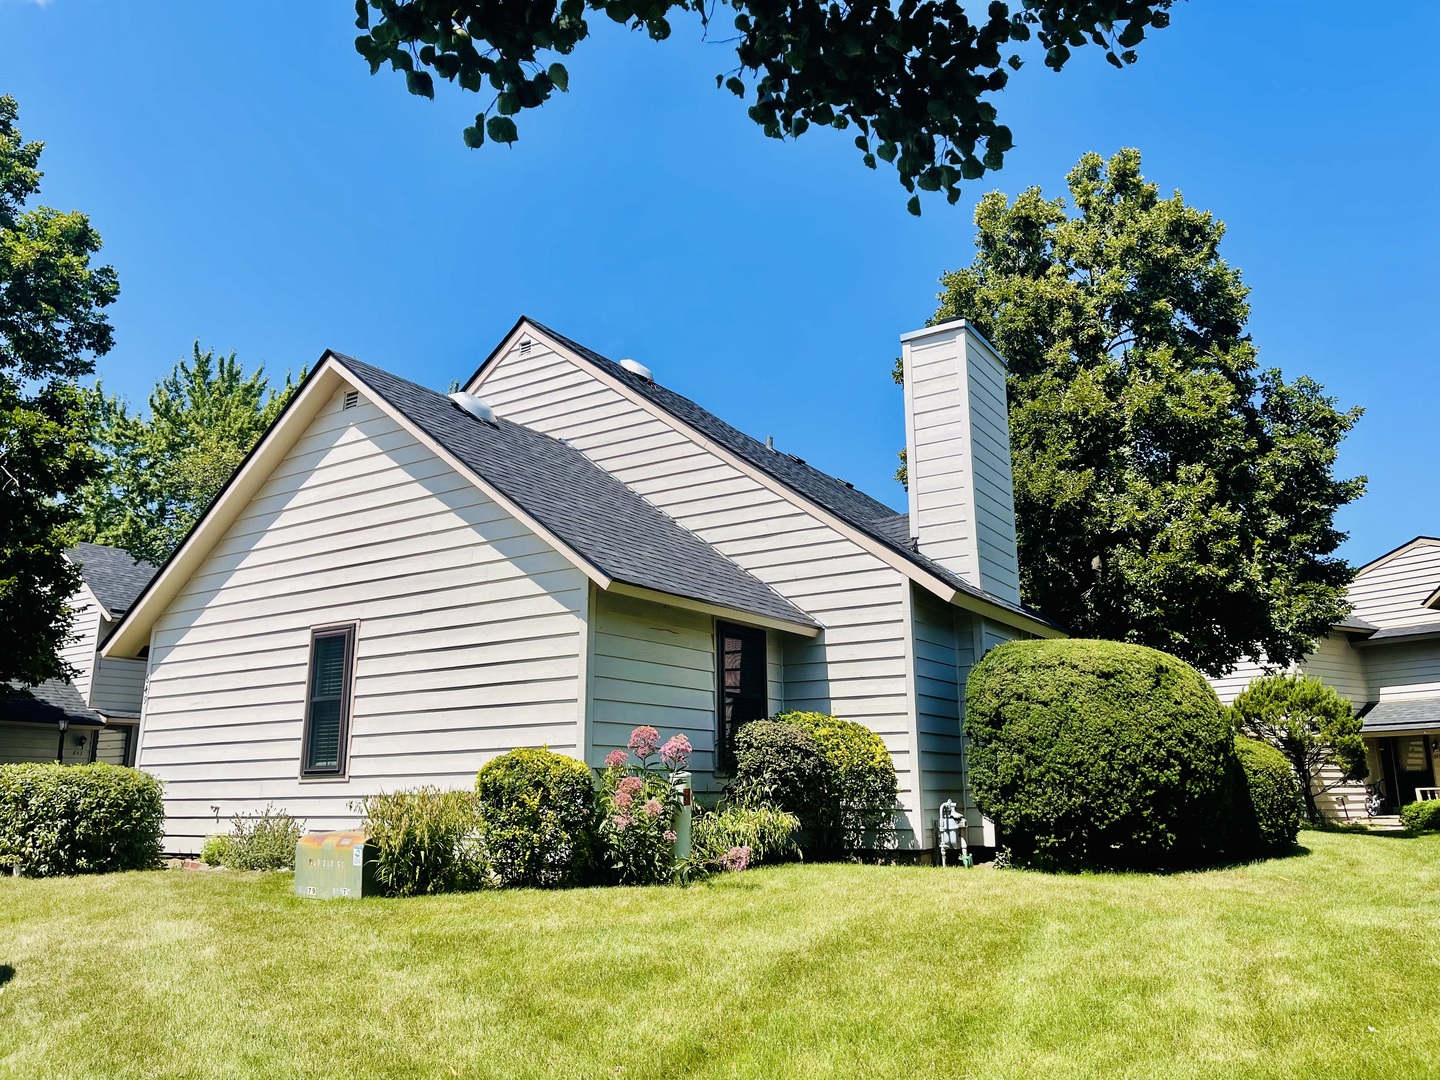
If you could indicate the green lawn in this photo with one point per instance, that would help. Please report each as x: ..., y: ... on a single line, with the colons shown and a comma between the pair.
x: 1324, y: 964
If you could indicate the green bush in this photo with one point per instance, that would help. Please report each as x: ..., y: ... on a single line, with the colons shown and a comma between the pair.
x: 1098, y: 754
x: 768, y: 833
x: 538, y: 818
x: 79, y: 819
x: 1421, y: 816
x: 781, y: 764
x: 264, y: 841
x: 1265, y: 809
x: 860, y: 810
x: 425, y: 841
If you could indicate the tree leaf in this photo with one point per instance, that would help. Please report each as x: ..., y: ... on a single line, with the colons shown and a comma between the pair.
x: 559, y: 76
x: 501, y: 129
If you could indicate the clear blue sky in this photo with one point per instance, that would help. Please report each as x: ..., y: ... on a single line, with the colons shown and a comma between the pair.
x: 258, y: 189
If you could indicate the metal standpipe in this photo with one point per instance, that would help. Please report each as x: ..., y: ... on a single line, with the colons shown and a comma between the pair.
x: 681, y: 782
x: 950, y: 833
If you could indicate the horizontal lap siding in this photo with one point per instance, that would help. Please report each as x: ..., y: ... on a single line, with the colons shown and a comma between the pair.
x: 940, y: 655
x: 468, y: 644
x: 79, y: 648
x: 117, y: 687
x: 1392, y: 593
x: 856, y: 668
x: 38, y: 743
x: 1398, y: 672
x: 1338, y: 665
x: 994, y: 488
x: 940, y: 461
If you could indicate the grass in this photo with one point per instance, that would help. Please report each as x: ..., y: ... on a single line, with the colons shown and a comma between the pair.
x: 1326, y: 964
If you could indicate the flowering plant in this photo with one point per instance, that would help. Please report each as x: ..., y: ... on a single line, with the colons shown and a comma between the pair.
x: 638, y: 801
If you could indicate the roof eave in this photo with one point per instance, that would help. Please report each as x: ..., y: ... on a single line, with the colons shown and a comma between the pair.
x: 723, y: 611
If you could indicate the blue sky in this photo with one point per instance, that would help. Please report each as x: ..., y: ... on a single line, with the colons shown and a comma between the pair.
x: 258, y: 189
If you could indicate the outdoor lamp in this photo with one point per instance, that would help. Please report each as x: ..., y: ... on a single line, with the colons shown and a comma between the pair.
x: 60, y: 752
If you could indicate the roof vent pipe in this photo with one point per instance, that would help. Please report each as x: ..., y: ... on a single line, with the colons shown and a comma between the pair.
x: 637, y: 368
x: 474, y: 406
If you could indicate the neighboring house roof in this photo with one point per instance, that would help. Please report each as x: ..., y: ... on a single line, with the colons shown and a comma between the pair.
x: 112, y: 575
x: 583, y: 505
x: 46, y: 704
x: 1411, y: 714
x: 1354, y: 622
x: 857, y: 509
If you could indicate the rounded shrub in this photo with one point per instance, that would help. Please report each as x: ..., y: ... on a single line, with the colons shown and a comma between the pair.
x: 861, y: 808
x: 1097, y: 754
x: 781, y: 765
x: 1421, y: 816
x: 79, y: 819
x: 537, y: 813
x: 1265, y: 810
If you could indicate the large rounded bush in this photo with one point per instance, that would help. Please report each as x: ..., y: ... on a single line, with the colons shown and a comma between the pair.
x: 861, y: 809
x: 781, y: 765
x: 1097, y: 753
x: 79, y: 819
x: 537, y: 813
x: 1266, y: 801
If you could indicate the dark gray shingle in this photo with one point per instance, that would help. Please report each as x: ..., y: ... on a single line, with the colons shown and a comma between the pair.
x: 45, y: 704
x: 586, y: 507
x: 113, y: 575
x: 1415, y: 714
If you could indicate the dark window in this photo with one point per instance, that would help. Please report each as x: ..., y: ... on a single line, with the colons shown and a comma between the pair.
x: 741, y: 664
x: 327, y: 705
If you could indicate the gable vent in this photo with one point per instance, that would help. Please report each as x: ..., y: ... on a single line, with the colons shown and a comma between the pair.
x: 525, y: 347
x: 474, y: 406
x: 637, y: 368
x: 352, y: 398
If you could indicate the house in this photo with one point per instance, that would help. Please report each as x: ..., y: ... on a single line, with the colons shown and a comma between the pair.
x: 1385, y: 657
x: 397, y: 585
x: 94, y: 717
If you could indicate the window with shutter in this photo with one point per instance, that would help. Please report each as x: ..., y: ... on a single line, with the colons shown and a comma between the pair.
x: 327, y: 706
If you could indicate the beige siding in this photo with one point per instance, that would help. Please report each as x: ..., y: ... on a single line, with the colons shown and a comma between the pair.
x: 856, y: 668
x: 1397, y: 672
x: 944, y: 652
x: 1230, y: 686
x: 470, y: 632
x: 79, y: 649
x: 1338, y: 664
x: 38, y: 743
x: 117, y: 687
x: 113, y: 743
x: 1391, y: 593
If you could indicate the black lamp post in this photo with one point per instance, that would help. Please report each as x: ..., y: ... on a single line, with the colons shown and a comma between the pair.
x: 60, y: 753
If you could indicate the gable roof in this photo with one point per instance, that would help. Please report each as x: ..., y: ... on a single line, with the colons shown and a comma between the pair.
x: 586, y: 507
x: 46, y: 704
x: 878, y: 522
x: 114, y: 576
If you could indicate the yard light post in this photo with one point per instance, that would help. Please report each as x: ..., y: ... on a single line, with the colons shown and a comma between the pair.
x: 64, y: 723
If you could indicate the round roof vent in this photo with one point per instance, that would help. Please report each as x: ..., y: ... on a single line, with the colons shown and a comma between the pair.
x: 474, y: 406
x: 637, y: 368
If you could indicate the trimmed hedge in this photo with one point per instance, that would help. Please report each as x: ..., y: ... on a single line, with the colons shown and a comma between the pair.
x: 1421, y: 816
x: 1098, y: 754
x: 1266, y: 801
x: 79, y: 819
x: 538, y: 818
x: 860, y: 812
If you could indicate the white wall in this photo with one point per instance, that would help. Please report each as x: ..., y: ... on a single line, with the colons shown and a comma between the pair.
x: 1391, y: 593
x: 1399, y: 672
x: 79, y: 648
x: 470, y: 634
x: 117, y: 687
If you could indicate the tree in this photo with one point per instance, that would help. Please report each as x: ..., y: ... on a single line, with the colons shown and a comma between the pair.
x: 1312, y: 725
x: 162, y: 471
x: 1168, y: 491
x: 912, y: 80
x: 52, y: 326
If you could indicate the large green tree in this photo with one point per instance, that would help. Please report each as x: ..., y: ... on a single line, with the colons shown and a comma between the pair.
x: 1169, y: 491
x: 52, y: 326
x: 162, y: 470
x: 911, y: 78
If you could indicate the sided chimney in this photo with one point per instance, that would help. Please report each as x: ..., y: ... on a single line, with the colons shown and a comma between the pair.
x: 957, y: 434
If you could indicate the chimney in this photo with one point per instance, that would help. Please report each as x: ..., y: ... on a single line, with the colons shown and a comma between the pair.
x: 957, y: 434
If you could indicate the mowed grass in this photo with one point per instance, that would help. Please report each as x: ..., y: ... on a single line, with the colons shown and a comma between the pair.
x: 1326, y: 964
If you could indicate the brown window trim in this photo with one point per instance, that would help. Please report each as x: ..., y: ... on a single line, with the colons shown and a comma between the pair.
x: 342, y: 752
x: 755, y: 706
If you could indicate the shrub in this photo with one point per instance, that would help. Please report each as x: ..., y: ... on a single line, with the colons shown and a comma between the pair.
x: 537, y: 818
x: 1421, y: 816
x: 1097, y: 753
x: 1265, y: 809
x: 780, y: 764
x: 860, y: 810
x: 767, y: 833
x: 264, y: 841
x: 79, y: 819
x: 425, y: 840
x: 638, y: 803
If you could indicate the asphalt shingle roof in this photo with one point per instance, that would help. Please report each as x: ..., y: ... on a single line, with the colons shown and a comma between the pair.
x: 857, y: 509
x: 46, y: 704
x: 585, y: 506
x: 1393, y: 632
x: 113, y: 575
x: 1414, y: 714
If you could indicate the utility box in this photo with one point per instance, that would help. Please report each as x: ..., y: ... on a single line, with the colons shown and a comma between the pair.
x: 334, y: 865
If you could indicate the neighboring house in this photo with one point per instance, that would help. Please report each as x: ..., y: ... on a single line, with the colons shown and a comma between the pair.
x: 95, y: 716
x: 1386, y: 659
x: 397, y: 585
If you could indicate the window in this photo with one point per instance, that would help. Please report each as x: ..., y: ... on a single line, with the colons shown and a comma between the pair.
x: 740, y: 661
x: 327, y: 704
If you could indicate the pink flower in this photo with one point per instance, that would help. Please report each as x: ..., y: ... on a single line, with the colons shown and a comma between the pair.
x: 670, y: 836
x: 676, y: 751
x: 631, y: 785
x: 623, y: 799
x: 653, y: 808
x: 736, y: 859
x: 644, y: 741
x: 616, y: 758
x: 621, y: 822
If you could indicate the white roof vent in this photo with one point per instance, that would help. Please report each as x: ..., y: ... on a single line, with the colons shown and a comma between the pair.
x: 637, y: 368
x: 474, y: 406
